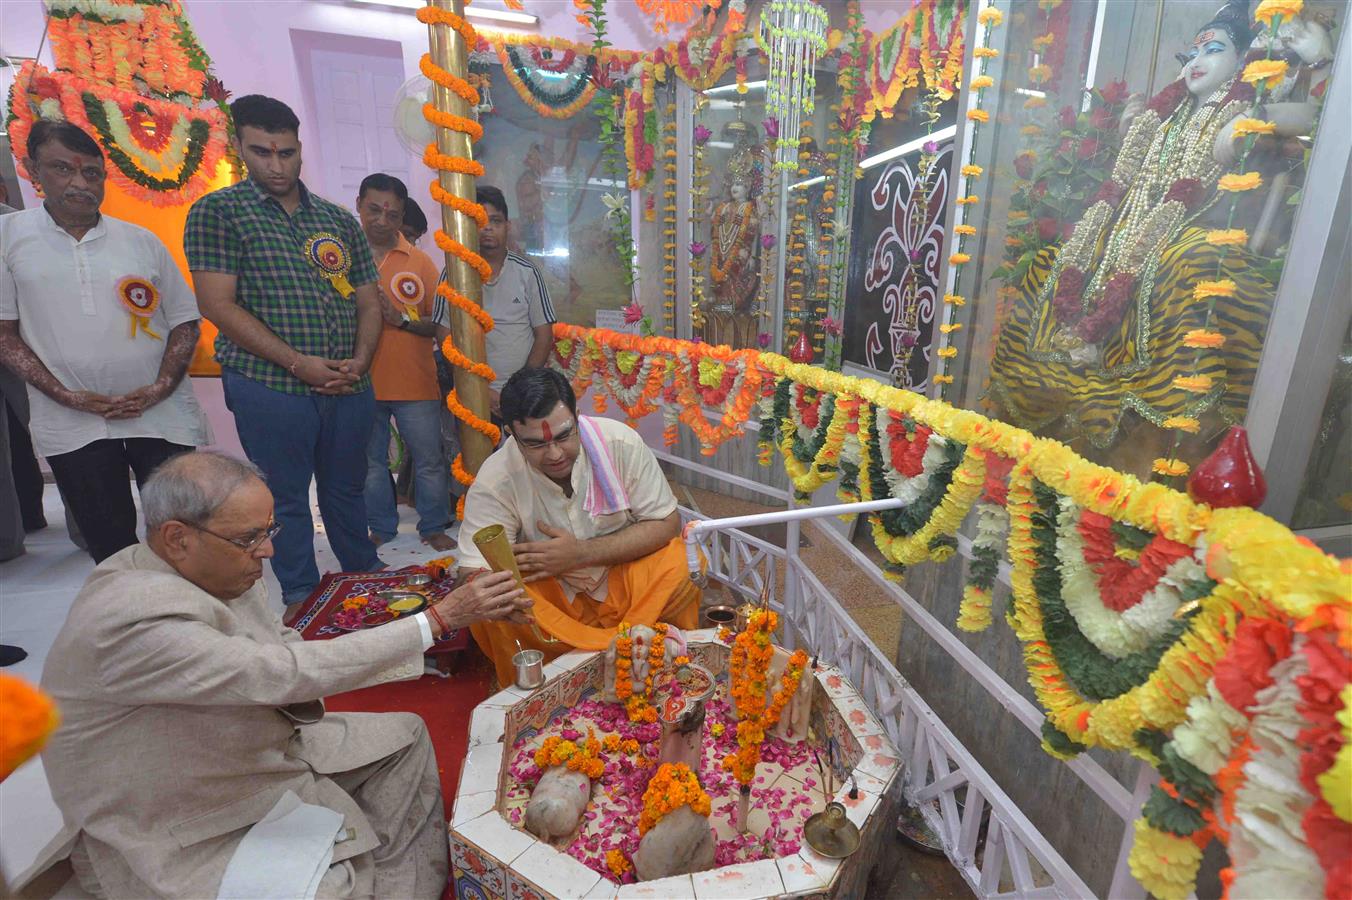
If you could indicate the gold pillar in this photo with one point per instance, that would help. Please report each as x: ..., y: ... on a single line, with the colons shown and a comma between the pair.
x: 448, y: 51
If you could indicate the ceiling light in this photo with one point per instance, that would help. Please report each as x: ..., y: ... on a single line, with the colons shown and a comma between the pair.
x: 942, y: 134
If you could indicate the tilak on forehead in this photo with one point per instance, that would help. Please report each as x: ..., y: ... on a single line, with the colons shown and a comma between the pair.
x: 545, y: 432
x: 1208, y: 35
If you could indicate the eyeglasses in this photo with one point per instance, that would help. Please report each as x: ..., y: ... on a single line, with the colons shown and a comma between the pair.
x: 248, y: 545
x: 535, y: 446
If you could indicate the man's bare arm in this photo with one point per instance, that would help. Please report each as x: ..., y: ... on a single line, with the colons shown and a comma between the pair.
x: 178, y: 350
x: 28, y: 366
x: 540, y: 350
x: 368, y: 326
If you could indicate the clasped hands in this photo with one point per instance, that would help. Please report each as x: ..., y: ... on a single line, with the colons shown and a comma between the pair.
x: 126, y: 406
x: 328, y: 376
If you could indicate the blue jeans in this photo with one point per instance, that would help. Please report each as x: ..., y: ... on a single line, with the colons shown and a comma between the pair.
x: 419, y: 423
x: 296, y: 439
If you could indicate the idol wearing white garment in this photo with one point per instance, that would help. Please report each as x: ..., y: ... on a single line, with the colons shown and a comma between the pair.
x: 189, y: 711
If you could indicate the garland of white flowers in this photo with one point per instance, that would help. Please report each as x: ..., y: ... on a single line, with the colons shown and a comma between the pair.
x: 909, y: 488
x: 992, y: 530
x: 1117, y: 634
x: 176, y: 150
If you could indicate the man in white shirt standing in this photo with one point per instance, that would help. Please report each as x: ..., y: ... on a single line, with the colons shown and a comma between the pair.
x: 97, y: 318
x: 516, y: 298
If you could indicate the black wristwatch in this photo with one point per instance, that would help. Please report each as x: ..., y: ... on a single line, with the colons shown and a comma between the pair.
x: 403, y: 325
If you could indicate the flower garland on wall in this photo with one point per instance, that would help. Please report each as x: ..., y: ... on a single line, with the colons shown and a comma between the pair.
x: 916, y: 46
x: 990, y: 18
x: 669, y: 156
x: 796, y: 314
x: 749, y: 675
x: 134, y: 77
x: 699, y: 211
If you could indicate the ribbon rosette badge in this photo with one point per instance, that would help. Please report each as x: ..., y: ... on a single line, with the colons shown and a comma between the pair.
x: 141, y: 299
x: 409, y: 291
x: 328, y: 254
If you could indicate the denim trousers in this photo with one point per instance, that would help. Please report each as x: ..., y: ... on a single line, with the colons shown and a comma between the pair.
x: 419, y: 424
x: 297, y: 439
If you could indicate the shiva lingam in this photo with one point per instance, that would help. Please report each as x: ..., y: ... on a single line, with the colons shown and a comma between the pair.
x: 680, y: 706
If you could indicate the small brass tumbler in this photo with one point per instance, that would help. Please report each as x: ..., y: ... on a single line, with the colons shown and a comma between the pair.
x: 497, y: 551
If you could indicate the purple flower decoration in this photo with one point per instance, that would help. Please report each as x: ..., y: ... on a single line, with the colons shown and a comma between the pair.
x: 930, y: 147
x: 697, y: 248
x: 830, y: 325
x: 771, y: 128
x: 764, y: 337
x: 633, y: 314
x: 767, y: 241
x: 908, y: 340
x: 702, y: 135
x: 915, y: 255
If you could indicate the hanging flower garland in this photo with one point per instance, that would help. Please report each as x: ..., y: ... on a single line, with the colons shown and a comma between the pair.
x: 576, y: 90
x: 699, y: 192
x: 669, y: 156
x: 672, y: 787
x: 666, y: 13
x: 797, y: 314
x: 990, y: 18
x: 988, y: 544
x: 640, y: 128
x: 1262, y: 75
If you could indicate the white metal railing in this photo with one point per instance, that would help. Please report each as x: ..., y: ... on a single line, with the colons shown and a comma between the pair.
x: 956, y: 796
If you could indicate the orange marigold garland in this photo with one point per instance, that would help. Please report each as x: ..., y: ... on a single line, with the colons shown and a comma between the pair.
x: 584, y: 758
x: 434, y: 159
x: 748, y: 678
x: 672, y: 787
x: 27, y: 717
x: 638, y: 705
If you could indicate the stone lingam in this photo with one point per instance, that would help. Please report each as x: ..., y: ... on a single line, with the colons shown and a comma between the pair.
x: 623, y: 776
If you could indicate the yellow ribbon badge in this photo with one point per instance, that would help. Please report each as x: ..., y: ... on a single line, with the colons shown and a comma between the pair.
x: 409, y: 291
x: 141, y: 299
x: 328, y: 254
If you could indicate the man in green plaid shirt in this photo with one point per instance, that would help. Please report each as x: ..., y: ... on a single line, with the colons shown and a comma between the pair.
x: 288, y: 279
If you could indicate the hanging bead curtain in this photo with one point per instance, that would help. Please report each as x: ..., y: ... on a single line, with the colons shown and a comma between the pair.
x: 792, y: 33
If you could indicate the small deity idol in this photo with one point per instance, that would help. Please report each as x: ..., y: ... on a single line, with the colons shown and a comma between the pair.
x: 734, y: 268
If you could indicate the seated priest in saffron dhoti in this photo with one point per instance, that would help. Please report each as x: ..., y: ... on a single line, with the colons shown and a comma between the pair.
x: 591, y: 519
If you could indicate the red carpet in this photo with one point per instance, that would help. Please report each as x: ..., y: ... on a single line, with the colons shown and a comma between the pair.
x: 445, y: 704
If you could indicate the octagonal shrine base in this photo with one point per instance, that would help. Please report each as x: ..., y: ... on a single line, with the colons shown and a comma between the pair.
x: 493, y: 857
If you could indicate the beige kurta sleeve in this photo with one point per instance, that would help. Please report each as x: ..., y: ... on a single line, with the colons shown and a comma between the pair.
x: 650, y: 496
x: 489, y: 502
x: 179, y: 659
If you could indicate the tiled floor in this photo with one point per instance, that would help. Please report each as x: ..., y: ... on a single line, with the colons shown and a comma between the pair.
x: 36, y: 592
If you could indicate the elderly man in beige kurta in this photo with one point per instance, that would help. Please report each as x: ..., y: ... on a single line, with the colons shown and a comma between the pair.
x: 189, y: 711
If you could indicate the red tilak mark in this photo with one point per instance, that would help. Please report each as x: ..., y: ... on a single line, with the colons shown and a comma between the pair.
x: 544, y: 430
x: 274, y: 147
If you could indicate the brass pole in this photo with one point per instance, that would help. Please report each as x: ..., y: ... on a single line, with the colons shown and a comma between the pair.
x: 448, y: 51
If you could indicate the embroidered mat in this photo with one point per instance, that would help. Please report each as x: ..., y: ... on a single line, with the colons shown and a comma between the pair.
x: 314, y: 621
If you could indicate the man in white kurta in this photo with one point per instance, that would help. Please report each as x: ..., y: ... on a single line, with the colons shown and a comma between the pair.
x: 191, y: 718
x: 592, y: 520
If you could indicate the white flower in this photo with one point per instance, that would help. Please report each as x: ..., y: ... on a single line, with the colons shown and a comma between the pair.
x: 615, y: 204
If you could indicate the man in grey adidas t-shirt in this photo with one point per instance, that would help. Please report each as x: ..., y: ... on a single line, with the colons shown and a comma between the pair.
x: 516, y: 298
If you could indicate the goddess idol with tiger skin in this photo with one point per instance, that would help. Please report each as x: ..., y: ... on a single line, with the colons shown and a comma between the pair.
x: 1098, y: 328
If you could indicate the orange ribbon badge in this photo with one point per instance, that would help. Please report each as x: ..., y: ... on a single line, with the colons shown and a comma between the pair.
x: 141, y: 298
x: 408, y: 289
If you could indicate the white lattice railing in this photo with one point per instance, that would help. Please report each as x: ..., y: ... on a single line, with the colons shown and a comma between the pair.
x: 996, y: 848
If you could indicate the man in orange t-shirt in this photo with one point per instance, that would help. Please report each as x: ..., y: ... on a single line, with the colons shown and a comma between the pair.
x: 403, y: 372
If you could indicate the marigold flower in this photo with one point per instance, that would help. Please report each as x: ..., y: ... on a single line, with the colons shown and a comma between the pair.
x: 972, y: 171
x: 955, y: 299
x: 1043, y: 41
x: 1269, y: 72
x: 1202, y: 339
x: 958, y: 259
x: 1223, y: 288
x: 982, y: 81
x: 950, y: 327
x: 1246, y: 126
x: 990, y: 16
x: 948, y: 352
x: 1170, y: 467
x: 970, y: 198
x: 1193, y: 384
x: 1228, y: 237
x: 1182, y: 423
x: 1246, y: 182
x: 985, y: 53
x: 1031, y: 130
x: 1271, y: 9
x: 978, y: 115
x: 964, y: 229
x: 943, y: 379
x: 1040, y: 74
x: 1035, y: 103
